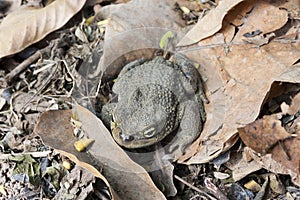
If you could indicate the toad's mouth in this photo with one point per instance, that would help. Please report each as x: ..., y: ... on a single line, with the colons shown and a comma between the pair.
x: 133, y: 141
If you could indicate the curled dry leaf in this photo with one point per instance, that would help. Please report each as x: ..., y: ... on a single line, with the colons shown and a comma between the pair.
x: 18, y: 32
x: 118, y: 168
x: 238, y: 77
x: 127, y: 179
x: 263, y: 134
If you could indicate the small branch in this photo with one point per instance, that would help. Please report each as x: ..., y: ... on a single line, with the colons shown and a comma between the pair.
x: 195, y: 188
x: 22, y: 66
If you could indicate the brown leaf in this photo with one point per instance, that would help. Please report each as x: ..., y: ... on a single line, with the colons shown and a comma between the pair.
x: 263, y: 134
x: 18, y: 32
x: 209, y: 24
x: 55, y: 129
x: 134, y: 30
x: 241, y: 166
x: 295, y: 106
x: 287, y: 153
x: 238, y: 77
x: 269, y: 163
x: 265, y: 22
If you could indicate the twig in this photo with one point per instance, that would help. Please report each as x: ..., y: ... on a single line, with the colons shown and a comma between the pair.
x: 195, y: 188
x: 40, y: 89
x: 22, y: 66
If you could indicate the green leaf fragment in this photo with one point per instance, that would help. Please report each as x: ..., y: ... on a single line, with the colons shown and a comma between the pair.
x: 27, y: 165
x: 168, y: 35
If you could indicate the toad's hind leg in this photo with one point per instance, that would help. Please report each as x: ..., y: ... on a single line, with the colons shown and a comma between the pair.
x: 194, y: 79
x: 189, y: 128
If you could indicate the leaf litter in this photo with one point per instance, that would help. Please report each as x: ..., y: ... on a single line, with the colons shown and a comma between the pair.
x: 241, y: 58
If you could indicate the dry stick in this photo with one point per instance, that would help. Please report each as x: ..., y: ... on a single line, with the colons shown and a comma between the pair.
x: 195, y: 188
x: 21, y: 67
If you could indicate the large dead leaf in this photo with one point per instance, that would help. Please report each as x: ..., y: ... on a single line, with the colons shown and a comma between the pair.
x: 134, y: 30
x: 128, y: 180
x: 283, y: 157
x: 238, y: 76
x: 26, y: 26
x: 209, y: 24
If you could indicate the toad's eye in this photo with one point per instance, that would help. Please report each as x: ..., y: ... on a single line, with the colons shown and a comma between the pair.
x: 149, y: 132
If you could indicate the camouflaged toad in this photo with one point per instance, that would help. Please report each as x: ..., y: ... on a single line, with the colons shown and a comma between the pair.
x: 156, y: 98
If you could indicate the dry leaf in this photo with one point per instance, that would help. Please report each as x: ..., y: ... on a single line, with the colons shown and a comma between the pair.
x: 284, y: 157
x: 17, y: 32
x: 134, y: 30
x: 241, y: 166
x: 268, y: 163
x: 209, y: 24
x: 263, y: 134
x: 265, y: 22
x: 287, y: 153
x: 238, y: 77
x: 56, y: 131
x: 118, y: 168
x: 276, y: 185
x: 295, y: 106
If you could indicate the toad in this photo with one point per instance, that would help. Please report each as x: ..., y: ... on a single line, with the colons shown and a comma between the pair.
x: 156, y: 98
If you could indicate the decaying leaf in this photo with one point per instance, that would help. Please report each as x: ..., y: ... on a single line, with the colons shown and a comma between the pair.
x: 276, y: 185
x: 17, y: 32
x: 26, y: 167
x: 80, y: 180
x: 268, y: 163
x: 129, y: 37
x: 238, y: 77
x: 288, y: 154
x: 55, y: 129
x: 263, y: 134
x: 295, y: 106
x: 210, y: 24
x: 241, y: 165
x: 267, y: 22
x: 283, y: 158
